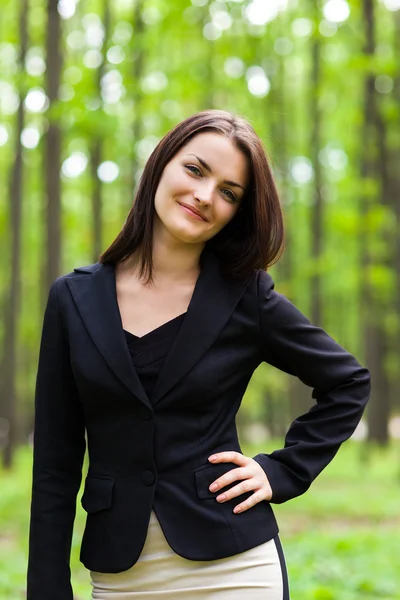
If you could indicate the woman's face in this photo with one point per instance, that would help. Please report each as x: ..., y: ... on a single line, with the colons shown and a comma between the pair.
x: 209, y: 174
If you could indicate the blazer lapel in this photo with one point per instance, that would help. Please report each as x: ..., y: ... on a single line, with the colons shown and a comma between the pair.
x: 212, y: 303
x: 96, y: 300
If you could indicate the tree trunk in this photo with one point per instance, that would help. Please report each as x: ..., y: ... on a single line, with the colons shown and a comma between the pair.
x: 8, y: 395
x: 372, y: 307
x: 52, y: 146
x: 208, y: 101
x: 394, y: 195
x: 138, y: 69
x: 97, y: 150
x: 317, y: 205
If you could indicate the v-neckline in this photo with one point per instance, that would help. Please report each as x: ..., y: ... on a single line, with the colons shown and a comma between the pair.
x: 157, y: 329
x: 213, y: 300
x: 196, y: 285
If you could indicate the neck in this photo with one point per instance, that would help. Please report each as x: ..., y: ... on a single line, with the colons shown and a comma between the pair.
x: 174, y: 261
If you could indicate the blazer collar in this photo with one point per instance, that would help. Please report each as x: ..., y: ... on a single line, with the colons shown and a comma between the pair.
x: 213, y: 301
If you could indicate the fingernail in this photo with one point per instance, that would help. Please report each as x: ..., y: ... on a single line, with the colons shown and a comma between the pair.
x: 237, y: 510
x: 213, y: 487
x: 213, y: 457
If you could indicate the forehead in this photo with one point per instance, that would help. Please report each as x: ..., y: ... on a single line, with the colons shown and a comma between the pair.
x: 209, y: 142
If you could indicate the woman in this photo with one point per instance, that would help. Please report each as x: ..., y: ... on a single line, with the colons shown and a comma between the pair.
x: 150, y: 351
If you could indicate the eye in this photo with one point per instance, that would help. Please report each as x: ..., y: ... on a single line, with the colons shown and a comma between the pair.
x: 190, y: 167
x: 230, y: 194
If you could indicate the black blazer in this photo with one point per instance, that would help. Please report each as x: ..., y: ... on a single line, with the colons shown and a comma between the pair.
x: 144, y: 455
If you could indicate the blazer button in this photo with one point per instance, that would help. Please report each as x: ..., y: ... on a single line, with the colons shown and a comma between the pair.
x: 148, y: 478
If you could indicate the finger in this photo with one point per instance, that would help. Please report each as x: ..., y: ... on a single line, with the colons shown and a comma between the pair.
x: 249, y: 503
x: 237, y: 490
x: 227, y: 478
x: 229, y: 456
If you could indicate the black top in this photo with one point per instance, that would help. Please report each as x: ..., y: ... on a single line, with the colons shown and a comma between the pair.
x: 149, y: 352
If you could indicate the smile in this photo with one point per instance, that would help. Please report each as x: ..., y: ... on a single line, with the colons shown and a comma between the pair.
x: 191, y: 213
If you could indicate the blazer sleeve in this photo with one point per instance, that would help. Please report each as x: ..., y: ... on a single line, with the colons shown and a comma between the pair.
x: 58, y: 452
x: 341, y: 388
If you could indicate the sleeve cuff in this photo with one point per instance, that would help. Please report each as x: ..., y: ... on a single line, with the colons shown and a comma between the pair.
x: 284, y: 484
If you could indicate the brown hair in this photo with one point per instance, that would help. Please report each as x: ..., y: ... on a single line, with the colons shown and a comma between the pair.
x: 252, y: 240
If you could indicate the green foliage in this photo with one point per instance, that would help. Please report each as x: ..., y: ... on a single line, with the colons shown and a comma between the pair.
x: 340, y: 537
x: 170, y: 68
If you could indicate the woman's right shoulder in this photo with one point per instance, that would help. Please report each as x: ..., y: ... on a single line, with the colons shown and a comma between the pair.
x: 58, y: 284
x: 77, y: 272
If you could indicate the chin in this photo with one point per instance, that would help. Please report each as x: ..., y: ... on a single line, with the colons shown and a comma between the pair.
x: 186, y: 237
x: 185, y: 234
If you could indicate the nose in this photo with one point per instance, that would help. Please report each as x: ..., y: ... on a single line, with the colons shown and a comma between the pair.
x: 204, y: 192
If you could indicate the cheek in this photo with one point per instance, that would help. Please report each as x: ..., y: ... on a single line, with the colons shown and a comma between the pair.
x: 170, y: 186
x: 172, y: 183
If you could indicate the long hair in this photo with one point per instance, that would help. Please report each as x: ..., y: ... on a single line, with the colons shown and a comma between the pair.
x: 252, y: 240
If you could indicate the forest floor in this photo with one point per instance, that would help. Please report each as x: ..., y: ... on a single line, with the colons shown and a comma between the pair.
x: 341, y: 539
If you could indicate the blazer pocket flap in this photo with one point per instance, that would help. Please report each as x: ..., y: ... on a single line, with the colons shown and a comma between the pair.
x: 206, y: 475
x: 97, y: 494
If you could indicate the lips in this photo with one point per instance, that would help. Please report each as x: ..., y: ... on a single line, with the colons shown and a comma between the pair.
x: 193, y: 210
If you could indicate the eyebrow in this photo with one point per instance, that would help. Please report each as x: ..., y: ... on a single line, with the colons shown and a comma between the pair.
x: 206, y: 166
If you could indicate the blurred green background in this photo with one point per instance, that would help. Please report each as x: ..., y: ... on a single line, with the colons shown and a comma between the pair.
x: 87, y: 89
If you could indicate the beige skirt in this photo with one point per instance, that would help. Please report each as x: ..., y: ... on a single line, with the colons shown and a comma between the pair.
x: 161, y: 574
